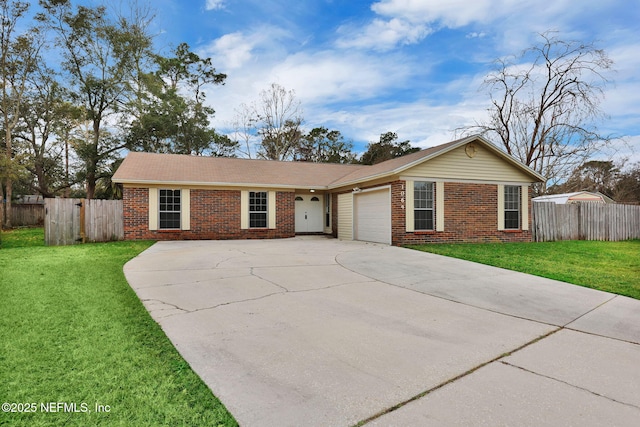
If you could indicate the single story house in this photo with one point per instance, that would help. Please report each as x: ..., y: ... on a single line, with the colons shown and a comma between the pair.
x: 462, y: 191
x: 575, y: 197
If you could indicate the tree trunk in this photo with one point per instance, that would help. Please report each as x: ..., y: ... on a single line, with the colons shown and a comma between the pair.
x: 8, y: 182
x: 91, y: 185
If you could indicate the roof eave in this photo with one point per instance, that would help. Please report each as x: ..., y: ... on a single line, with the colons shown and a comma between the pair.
x: 216, y: 184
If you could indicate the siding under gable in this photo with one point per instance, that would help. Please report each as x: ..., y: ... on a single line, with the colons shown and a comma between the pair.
x: 483, y: 166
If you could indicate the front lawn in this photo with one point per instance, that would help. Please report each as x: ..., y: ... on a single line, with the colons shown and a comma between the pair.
x: 608, y: 266
x: 78, y: 348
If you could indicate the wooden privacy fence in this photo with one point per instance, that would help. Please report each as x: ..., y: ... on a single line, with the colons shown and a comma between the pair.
x: 71, y: 221
x: 24, y: 214
x: 585, y: 221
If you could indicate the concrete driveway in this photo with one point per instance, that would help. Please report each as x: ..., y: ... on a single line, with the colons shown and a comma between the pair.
x: 319, y: 332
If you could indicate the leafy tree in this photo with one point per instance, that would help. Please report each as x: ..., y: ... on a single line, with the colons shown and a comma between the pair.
x: 172, y: 115
x: 617, y: 181
x: 100, y: 59
x: 321, y: 145
x: 627, y: 189
x: 107, y: 189
x: 45, y: 117
x: 594, y: 175
x: 386, y: 149
x: 19, y: 55
x: 545, y: 104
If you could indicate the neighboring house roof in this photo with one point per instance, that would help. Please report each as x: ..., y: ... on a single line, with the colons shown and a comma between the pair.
x: 575, y: 197
x: 150, y: 168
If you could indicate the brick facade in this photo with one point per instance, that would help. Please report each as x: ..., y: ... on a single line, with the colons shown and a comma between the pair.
x: 215, y: 215
x: 470, y: 215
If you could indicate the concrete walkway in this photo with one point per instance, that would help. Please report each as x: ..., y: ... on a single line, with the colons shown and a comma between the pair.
x: 320, y: 332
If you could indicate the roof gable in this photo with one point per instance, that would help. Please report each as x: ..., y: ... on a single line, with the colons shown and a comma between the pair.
x: 471, y: 161
x: 402, y: 165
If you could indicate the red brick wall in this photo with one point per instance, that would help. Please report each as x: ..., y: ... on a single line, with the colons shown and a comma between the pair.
x: 215, y: 214
x: 470, y: 215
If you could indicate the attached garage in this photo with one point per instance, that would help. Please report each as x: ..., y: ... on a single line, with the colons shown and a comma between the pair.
x: 372, y: 215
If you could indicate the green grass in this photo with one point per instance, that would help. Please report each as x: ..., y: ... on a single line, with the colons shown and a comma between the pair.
x: 73, y: 331
x: 22, y: 238
x: 608, y: 266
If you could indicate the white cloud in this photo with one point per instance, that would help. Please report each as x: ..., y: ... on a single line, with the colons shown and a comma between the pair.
x: 476, y: 35
x: 383, y: 35
x: 214, y: 4
x: 318, y: 78
x: 327, y: 76
x: 452, y: 13
x: 233, y: 50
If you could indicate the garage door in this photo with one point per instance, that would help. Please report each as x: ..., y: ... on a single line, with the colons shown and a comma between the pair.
x: 372, y: 215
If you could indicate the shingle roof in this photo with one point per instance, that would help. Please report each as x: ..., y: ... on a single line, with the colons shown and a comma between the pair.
x: 150, y: 168
x: 174, y: 168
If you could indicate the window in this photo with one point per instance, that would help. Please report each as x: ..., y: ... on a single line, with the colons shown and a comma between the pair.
x: 327, y: 212
x: 511, y: 207
x: 423, y: 205
x: 258, y: 209
x: 169, y: 210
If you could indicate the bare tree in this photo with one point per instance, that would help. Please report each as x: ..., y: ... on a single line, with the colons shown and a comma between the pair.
x: 278, y: 118
x: 244, y: 129
x: 545, y: 105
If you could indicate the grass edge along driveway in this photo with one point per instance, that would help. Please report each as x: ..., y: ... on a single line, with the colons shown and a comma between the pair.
x: 77, y: 347
x: 608, y: 266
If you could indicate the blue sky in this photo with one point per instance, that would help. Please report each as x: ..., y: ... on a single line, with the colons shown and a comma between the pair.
x: 409, y: 66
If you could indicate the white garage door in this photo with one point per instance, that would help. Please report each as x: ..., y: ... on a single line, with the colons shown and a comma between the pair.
x: 372, y: 215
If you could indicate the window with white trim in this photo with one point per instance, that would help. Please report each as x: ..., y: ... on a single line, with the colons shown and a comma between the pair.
x: 512, y: 207
x: 423, y: 212
x: 258, y: 209
x: 169, y: 210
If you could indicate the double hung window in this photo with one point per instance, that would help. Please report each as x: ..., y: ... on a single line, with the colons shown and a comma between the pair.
x: 423, y: 200
x: 511, y: 207
x: 258, y: 208
x: 169, y: 218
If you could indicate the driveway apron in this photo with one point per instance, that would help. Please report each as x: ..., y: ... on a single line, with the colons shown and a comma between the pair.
x: 313, y: 331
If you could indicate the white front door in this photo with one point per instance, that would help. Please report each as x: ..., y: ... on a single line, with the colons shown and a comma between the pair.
x: 308, y: 213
